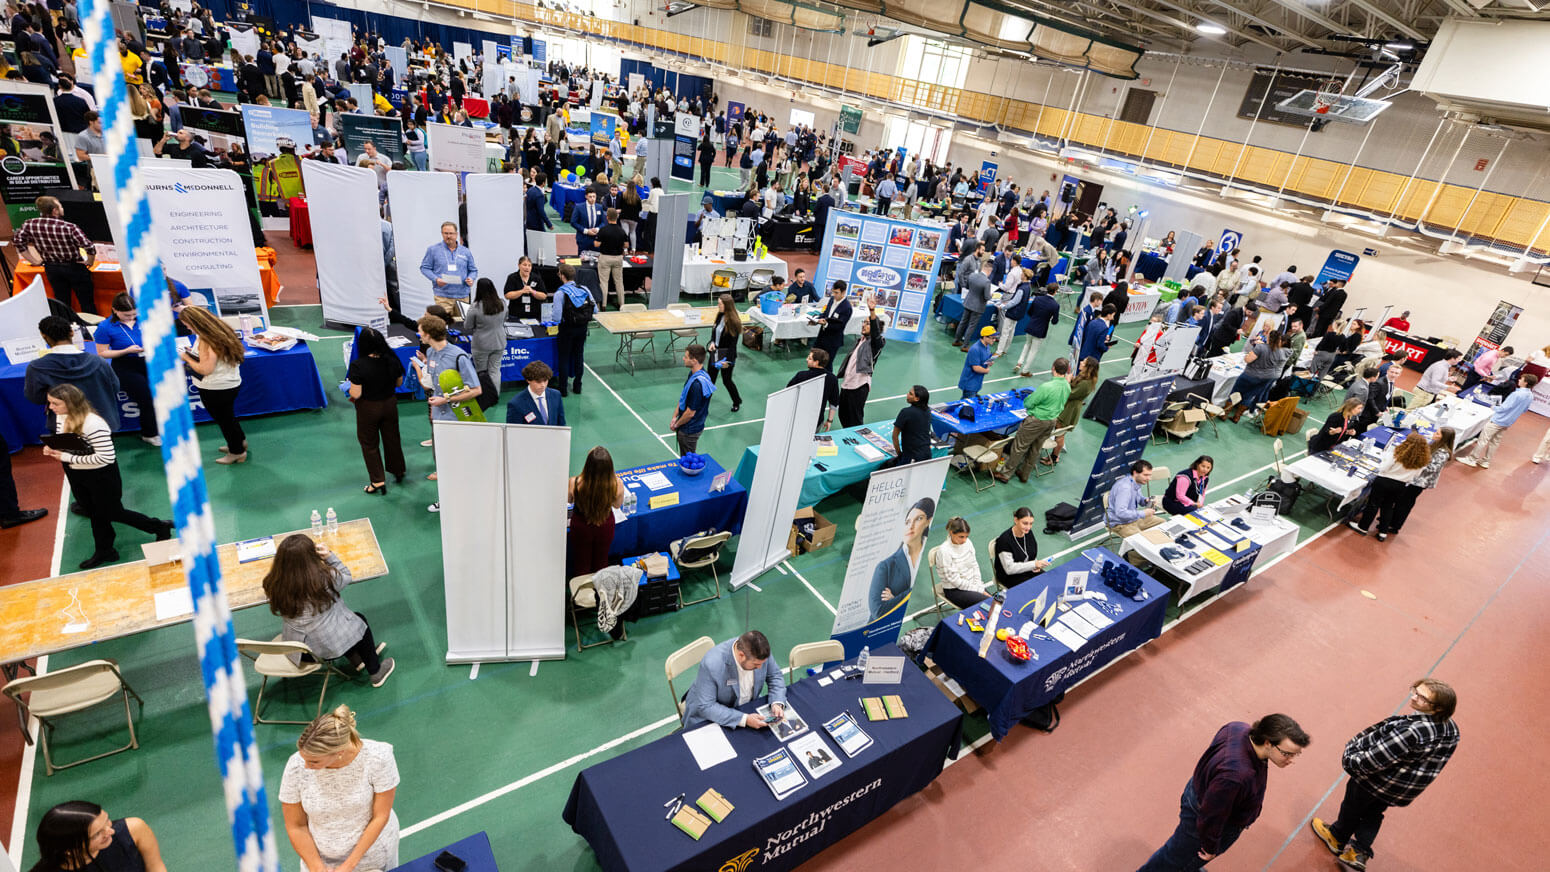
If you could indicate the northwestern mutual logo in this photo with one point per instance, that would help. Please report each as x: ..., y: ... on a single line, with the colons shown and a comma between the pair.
x: 740, y: 862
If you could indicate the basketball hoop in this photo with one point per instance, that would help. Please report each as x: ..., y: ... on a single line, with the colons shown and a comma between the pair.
x: 1323, y: 101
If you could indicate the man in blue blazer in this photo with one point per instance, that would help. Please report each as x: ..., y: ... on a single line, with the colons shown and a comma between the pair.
x: 587, y: 218
x: 1095, y: 337
x: 730, y: 675
x: 539, y: 404
x: 534, y: 216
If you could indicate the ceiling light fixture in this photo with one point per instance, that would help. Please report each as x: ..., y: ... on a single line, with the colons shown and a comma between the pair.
x: 1210, y: 29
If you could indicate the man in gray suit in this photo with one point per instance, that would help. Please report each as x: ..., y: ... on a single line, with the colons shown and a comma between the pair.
x: 730, y: 675
x: 976, y: 291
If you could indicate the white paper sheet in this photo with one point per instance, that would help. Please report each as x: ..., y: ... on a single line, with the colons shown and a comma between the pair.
x: 655, y: 481
x: 1080, y: 625
x: 174, y: 603
x: 1093, y: 616
x: 709, y: 745
x: 1066, y: 636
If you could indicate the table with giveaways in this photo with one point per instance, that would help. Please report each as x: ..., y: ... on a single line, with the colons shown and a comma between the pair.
x: 1214, y: 562
x: 692, y: 506
x: 619, y: 806
x: 1010, y: 689
x: 998, y: 413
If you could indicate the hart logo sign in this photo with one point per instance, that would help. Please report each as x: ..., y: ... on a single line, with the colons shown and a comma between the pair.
x: 740, y: 862
x: 881, y: 276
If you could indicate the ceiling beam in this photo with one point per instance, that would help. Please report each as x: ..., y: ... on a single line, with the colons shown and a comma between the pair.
x: 1063, y: 15
x: 1189, y: 26
x: 1296, y: 35
x: 1315, y: 17
x: 1463, y: 8
x: 1374, y: 11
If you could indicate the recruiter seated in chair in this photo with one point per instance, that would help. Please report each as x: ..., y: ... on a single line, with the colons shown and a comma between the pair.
x: 730, y: 675
x: 1130, y: 510
x: 958, y: 567
x: 1017, y: 551
x: 1187, y: 491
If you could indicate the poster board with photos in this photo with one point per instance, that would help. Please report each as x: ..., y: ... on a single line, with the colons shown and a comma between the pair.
x: 896, y: 261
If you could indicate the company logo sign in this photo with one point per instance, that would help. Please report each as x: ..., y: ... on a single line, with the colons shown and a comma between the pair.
x: 740, y: 862
x: 878, y: 275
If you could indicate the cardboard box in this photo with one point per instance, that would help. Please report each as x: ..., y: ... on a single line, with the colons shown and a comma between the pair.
x: 823, y: 532
x: 950, y: 688
x: 1299, y: 417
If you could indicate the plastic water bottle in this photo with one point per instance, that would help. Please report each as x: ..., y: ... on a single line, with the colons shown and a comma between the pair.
x: 333, y: 521
x: 317, y: 523
x: 629, y: 502
x: 247, y: 325
x: 866, y: 655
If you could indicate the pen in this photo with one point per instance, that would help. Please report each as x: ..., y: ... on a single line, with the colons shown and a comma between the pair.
x: 678, y: 798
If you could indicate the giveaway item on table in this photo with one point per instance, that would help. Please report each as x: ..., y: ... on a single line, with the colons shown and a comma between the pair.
x: 687, y: 818
x: 814, y: 755
x: 271, y: 341
x: 780, y: 772
x: 255, y: 549
x: 714, y: 805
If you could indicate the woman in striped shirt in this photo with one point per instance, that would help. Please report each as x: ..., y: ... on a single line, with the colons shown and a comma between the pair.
x: 93, y: 475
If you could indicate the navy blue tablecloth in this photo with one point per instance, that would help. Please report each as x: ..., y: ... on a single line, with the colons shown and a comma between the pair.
x: 561, y: 193
x: 724, y: 202
x: 519, y: 352
x: 952, y: 310
x: 945, y: 421
x: 1010, y: 689
x: 272, y: 381
x: 473, y: 850
x: 698, y: 509
x: 617, y: 805
x: 1151, y: 266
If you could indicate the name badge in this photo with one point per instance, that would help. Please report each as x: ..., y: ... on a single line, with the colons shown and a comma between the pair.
x: 529, y: 418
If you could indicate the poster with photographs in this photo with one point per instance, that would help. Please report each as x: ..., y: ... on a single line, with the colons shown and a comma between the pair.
x: 896, y: 262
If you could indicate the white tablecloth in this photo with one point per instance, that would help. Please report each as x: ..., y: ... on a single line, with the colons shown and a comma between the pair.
x: 697, y: 270
x: 1467, y: 419
x: 1142, y: 302
x: 1316, y: 471
x: 792, y: 322
x: 1225, y: 369
x: 1274, y: 537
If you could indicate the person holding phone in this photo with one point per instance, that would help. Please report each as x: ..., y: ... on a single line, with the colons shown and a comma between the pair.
x: 337, y: 797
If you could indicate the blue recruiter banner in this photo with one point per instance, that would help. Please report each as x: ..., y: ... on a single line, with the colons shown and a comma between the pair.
x: 602, y: 127
x: 1129, y: 432
x: 540, y: 51
x: 987, y: 175
x: 1337, y: 267
x: 1229, y: 240
x: 734, y: 111
x: 266, y: 124
x: 895, y: 260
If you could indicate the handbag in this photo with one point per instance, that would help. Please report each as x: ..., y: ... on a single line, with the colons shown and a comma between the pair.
x: 753, y: 337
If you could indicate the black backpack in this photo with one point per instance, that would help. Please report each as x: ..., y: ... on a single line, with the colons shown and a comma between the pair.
x: 578, y: 316
x: 1046, y: 717
x: 1060, y: 518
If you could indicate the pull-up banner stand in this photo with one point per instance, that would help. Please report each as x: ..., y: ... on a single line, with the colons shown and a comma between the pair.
x: 346, y: 236
x: 1129, y: 431
x: 784, y: 449
x: 667, y: 259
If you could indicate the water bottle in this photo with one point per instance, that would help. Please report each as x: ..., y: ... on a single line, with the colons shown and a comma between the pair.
x: 333, y: 521
x: 317, y: 523
x: 866, y: 655
x: 247, y: 325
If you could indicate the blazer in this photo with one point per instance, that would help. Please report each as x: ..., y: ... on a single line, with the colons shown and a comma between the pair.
x: 535, y: 218
x: 578, y: 220
x: 714, y: 693
x: 727, y: 348
x: 522, y: 405
x: 893, y: 574
x: 832, y: 334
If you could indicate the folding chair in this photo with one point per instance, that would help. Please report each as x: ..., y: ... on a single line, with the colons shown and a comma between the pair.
x: 681, y: 661
x: 272, y: 660
x: 629, y: 343
x: 66, y: 691
x: 583, y: 597
x: 813, y: 654
x: 689, y: 333
x: 1214, y: 413
x: 985, y: 455
x: 698, y: 552
x: 1048, y: 450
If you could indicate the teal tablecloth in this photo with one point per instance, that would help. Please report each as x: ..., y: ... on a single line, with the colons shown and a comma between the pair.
x: 845, y: 468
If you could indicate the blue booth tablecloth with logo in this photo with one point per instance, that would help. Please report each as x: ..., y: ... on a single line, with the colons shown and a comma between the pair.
x: 992, y: 413
x: 617, y: 805
x: 519, y: 352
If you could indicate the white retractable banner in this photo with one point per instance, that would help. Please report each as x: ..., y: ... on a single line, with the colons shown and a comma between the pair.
x: 347, y: 241
x: 420, y: 203
x: 495, y: 233
x: 784, y: 449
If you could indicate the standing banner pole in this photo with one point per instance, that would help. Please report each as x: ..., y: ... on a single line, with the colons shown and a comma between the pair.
x: 247, y: 807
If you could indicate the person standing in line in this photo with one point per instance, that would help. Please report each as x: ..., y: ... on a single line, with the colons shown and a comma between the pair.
x: 1442, y: 451
x: 977, y: 364
x: 1226, y: 793
x: 450, y: 269
x: 1502, y: 417
x: 1095, y: 336
x: 855, y: 373
x: 612, y: 243
x: 534, y: 215
x: 336, y: 795
x: 80, y: 835
x: 93, y: 475
x: 912, y: 429
x: 722, y: 351
x: 1079, y: 329
x: 1400, y: 468
x: 374, y: 378
x: 1390, y: 763
x: 118, y: 339
x: 439, y: 356
x: 574, y: 310
x: 216, y: 361
x: 485, y: 326
x: 831, y: 324
x: 56, y: 245
x: 1044, y: 406
x: 818, y: 366
x: 1043, y: 311
x: 688, y: 420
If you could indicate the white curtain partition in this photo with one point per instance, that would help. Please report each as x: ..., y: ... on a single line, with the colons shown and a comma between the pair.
x: 495, y: 208
x: 421, y: 202
x: 784, y: 449
x: 347, y: 242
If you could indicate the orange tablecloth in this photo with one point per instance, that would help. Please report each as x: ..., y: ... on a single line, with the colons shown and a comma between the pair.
x: 110, y: 283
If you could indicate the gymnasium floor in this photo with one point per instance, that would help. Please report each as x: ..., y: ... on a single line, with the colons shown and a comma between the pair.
x: 1332, y: 634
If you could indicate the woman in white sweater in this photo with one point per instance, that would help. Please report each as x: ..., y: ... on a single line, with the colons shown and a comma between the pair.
x: 958, y: 568
x: 93, y: 474
x: 1386, y: 499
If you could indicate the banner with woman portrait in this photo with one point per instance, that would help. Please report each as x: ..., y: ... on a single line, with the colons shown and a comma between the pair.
x: 903, y: 507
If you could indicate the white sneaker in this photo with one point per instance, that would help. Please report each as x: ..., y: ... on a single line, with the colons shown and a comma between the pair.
x: 433, y: 507
x: 1469, y: 461
x: 425, y: 444
x: 1536, y: 458
x: 156, y: 440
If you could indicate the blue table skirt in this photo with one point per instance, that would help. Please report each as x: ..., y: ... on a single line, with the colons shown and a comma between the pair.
x: 617, y: 806
x: 519, y: 352
x: 1009, y: 689
x: 560, y: 194
x: 473, y: 850
x: 945, y: 422
x: 272, y: 381
x: 952, y: 310
x: 840, y: 471
x: 724, y: 203
x: 698, y: 509
x: 1151, y: 266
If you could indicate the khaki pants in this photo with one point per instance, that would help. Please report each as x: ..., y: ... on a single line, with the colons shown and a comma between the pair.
x: 640, y: 166
x: 609, y: 268
x: 615, y: 171
x: 448, y: 303
x: 1543, y: 451
x: 1422, y: 398
x: 1127, y: 530
x: 1031, y: 434
x: 1490, y: 438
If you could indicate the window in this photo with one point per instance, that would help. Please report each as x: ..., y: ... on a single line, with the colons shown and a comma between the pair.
x: 760, y: 26
x: 934, y: 62
x: 917, y: 137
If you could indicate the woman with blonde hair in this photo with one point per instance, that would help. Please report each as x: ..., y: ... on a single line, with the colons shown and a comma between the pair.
x: 1401, y: 467
x: 337, y: 797
x: 216, y: 360
x: 303, y: 587
x: 93, y: 474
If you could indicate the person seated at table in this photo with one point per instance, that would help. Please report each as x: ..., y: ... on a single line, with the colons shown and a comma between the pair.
x: 894, y: 576
x: 1017, y: 552
x: 1187, y: 491
x: 1437, y: 379
x: 1401, y: 465
x: 731, y: 674
x: 912, y: 429
x: 80, y: 835
x: 593, y: 495
x: 801, y: 291
x: 1130, y: 509
x: 1339, y: 426
x: 818, y: 367
x: 539, y: 403
x: 958, y: 567
x: 303, y: 587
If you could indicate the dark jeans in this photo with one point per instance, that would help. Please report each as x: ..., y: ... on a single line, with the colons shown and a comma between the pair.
x: 377, y: 421
x: 705, y: 175
x: 136, y: 385
x: 9, y: 507
x: 1181, y: 852
x: 222, y: 406
x: 69, y: 279
x: 853, y: 405
x: 963, y: 599
x: 1361, y: 814
x: 687, y: 442
x: 725, y: 372
x: 1384, y: 499
x: 572, y: 343
x: 1251, y: 390
x: 365, y: 651
x: 100, y: 492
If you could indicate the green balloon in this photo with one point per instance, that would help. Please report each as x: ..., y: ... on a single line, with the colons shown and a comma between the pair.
x: 580, y: 171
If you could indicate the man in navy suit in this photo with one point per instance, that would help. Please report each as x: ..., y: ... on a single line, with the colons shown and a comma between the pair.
x: 534, y: 216
x: 730, y: 675
x: 831, y: 330
x: 588, y: 220
x: 539, y: 404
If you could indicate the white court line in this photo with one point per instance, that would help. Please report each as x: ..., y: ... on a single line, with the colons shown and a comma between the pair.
x: 631, y: 410
x: 473, y: 671
x: 533, y: 670
x: 536, y: 776
x: 810, y: 588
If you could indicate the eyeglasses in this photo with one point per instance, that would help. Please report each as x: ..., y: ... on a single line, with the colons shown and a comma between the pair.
x: 1415, y: 693
x: 1289, y: 755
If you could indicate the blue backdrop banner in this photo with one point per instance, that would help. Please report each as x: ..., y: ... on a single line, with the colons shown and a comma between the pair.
x: 1337, y: 267
x: 1129, y: 431
x: 896, y: 261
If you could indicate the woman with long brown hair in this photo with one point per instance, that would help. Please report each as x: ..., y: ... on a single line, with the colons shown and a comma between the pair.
x: 303, y: 587
x: 1403, y: 466
x: 1442, y: 452
x: 1082, y: 385
x: 594, y: 494
x: 216, y: 361
x: 93, y: 474
x: 722, y: 349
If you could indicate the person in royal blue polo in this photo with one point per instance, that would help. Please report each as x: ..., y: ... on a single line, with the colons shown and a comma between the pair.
x: 688, y: 420
x: 977, y: 363
x: 126, y: 352
x: 539, y: 404
x: 730, y: 675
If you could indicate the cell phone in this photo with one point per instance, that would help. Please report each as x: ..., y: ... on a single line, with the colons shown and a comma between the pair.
x: 450, y: 862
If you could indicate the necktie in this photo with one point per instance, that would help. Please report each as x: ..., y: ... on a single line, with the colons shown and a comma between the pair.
x: 543, y: 410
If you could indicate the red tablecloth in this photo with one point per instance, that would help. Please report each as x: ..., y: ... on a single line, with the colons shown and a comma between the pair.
x: 301, y: 223
x: 476, y: 107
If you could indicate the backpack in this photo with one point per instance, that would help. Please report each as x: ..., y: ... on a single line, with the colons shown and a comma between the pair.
x: 1060, y: 518
x: 1288, y: 491
x: 578, y: 316
x: 753, y: 337
x: 1046, y: 717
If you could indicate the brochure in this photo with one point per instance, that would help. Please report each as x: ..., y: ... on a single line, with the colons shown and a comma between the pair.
x: 780, y: 772
x: 788, y: 727
x: 847, y: 734
x: 814, y: 755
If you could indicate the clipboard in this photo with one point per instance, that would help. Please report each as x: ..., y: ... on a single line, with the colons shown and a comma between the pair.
x: 69, y: 443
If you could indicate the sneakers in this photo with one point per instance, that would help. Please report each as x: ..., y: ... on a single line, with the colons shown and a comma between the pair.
x: 1471, y: 461
x: 1360, y: 530
x: 425, y: 444
x: 1382, y: 536
x: 151, y: 440
x: 380, y: 677
x: 1321, y: 830
x: 361, y: 666
x: 1353, y: 859
x: 434, y: 507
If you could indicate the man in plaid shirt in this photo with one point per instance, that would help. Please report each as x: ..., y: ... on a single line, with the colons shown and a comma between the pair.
x: 1390, y: 763
x: 56, y: 244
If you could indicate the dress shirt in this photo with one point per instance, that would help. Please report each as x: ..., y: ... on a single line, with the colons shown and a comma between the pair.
x: 57, y: 240
x: 1127, y: 503
x: 452, y: 264
x: 1435, y: 379
x: 1512, y: 408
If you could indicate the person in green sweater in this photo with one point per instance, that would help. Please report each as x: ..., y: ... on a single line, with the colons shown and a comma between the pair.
x: 1044, y: 405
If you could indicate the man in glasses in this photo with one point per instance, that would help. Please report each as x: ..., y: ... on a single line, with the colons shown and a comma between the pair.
x: 1390, y: 763
x: 1225, y: 794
